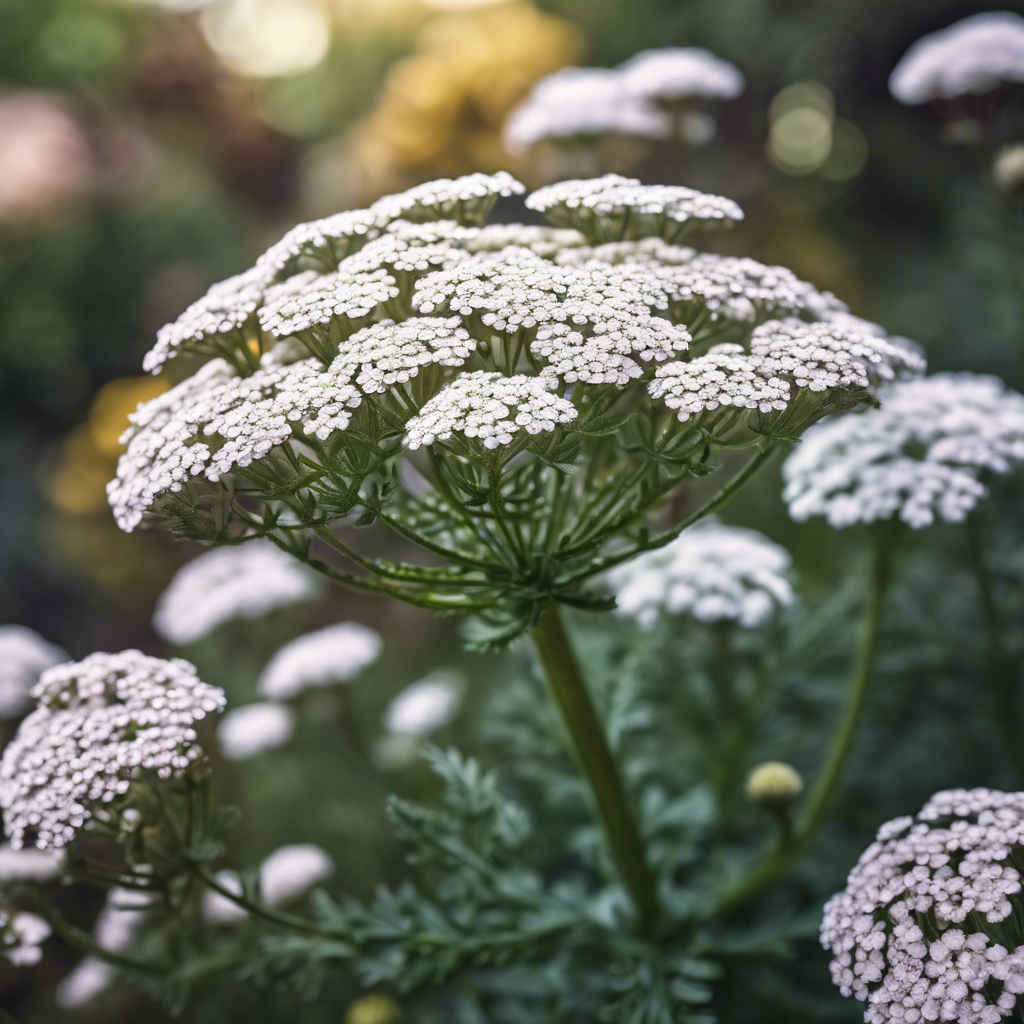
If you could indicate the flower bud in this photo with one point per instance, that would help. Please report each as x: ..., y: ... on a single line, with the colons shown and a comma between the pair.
x: 774, y: 785
x: 374, y: 1008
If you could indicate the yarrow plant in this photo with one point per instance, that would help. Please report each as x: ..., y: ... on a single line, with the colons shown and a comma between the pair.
x: 928, y: 927
x: 518, y: 402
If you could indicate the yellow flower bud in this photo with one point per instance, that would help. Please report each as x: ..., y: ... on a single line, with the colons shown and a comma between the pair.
x: 774, y: 785
x: 374, y: 1008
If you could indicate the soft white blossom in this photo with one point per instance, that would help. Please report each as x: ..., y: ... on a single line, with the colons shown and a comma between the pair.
x: 675, y: 73
x: 252, y: 729
x: 21, y: 935
x: 24, y: 655
x: 221, y: 315
x: 581, y: 103
x: 465, y: 199
x: 922, y: 456
x: 918, y: 932
x: 82, y: 985
x: 975, y: 55
x: 99, y: 722
x: 336, y: 654
x: 285, y: 875
x: 491, y: 407
x: 425, y: 706
x: 712, y: 572
x: 229, y: 583
x: 613, y: 207
x: 28, y: 865
x: 325, y: 242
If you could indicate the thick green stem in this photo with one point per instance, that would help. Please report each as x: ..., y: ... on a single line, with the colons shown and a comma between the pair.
x: 1000, y: 667
x: 843, y: 738
x: 569, y: 692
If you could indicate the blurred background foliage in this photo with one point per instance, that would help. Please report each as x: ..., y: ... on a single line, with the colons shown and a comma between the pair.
x: 147, y: 150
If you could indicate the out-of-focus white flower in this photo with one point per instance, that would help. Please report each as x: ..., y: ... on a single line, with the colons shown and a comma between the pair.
x: 21, y: 936
x: 1008, y: 168
x: 425, y: 706
x: 581, y: 103
x: 285, y: 875
x: 675, y: 73
x: 975, y: 55
x: 714, y: 573
x: 82, y: 985
x: 954, y: 869
x: 28, y: 865
x: 24, y: 655
x: 228, y: 583
x: 99, y: 722
x: 336, y: 654
x: 254, y: 728
x: 922, y: 456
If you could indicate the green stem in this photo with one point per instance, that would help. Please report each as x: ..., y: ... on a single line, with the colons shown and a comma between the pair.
x: 569, y: 692
x: 776, y: 862
x: 87, y: 944
x: 1001, y: 672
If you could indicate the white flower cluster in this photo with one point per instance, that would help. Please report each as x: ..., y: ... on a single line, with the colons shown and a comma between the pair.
x: 726, y: 376
x: 229, y: 583
x: 625, y: 208
x: 976, y: 55
x: 417, y: 331
x: 24, y: 655
x: 28, y: 865
x: 922, y: 456
x: 675, y: 73
x: 336, y: 654
x: 284, y: 876
x: 910, y: 933
x: 223, y: 312
x: 99, y: 721
x: 491, y: 407
x: 583, y: 104
x: 425, y: 706
x: 252, y: 729
x: 712, y: 572
x: 576, y: 104
x: 21, y: 935
x: 115, y: 930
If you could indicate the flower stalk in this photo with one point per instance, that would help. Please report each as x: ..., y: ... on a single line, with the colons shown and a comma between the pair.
x: 569, y: 692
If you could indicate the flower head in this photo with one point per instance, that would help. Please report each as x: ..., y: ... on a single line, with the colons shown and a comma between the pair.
x: 21, y: 935
x: 576, y: 104
x: 412, y: 367
x: 675, y: 73
x: 24, y: 655
x: 425, y: 706
x: 284, y: 876
x: 922, y: 456
x: 774, y: 785
x: 230, y: 583
x: 624, y: 206
x: 251, y: 729
x: 336, y: 654
x: 28, y: 865
x: 975, y: 55
x: 99, y: 723
x: 921, y: 931
x: 714, y: 573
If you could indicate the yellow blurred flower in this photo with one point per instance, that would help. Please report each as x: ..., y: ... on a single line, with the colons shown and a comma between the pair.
x: 374, y: 1009
x: 441, y: 109
x: 87, y: 457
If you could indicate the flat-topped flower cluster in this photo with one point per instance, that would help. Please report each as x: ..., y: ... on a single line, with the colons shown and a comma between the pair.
x: 98, y: 723
x: 410, y: 326
x: 928, y: 927
x: 924, y: 455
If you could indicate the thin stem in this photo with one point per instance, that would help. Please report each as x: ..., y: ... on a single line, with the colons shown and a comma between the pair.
x: 569, y: 692
x: 842, y: 739
x: 601, y: 565
x: 87, y: 944
x: 1001, y: 671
